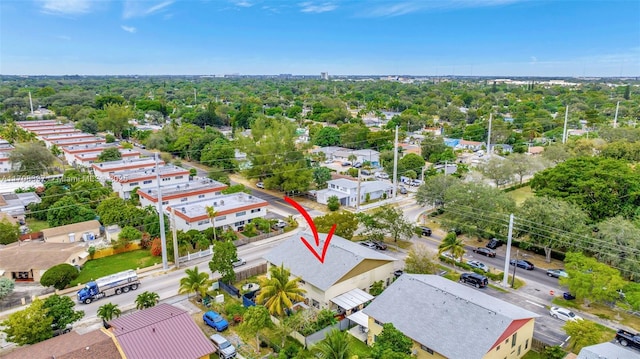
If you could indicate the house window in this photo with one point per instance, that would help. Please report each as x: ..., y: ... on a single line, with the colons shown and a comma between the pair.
x: 133, y: 184
x: 240, y: 214
x: 426, y: 349
x: 378, y: 322
x: 200, y: 196
x: 526, y: 344
x: 203, y: 222
x: 179, y: 177
x: 221, y: 218
x: 256, y: 210
x: 315, y: 303
x: 147, y: 181
x: 166, y: 179
x: 498, y: 348
x: 184, y: 200
x: 238, y: 224
x: 519, y: 349
x: 165, y: 202
x: 513, y: 340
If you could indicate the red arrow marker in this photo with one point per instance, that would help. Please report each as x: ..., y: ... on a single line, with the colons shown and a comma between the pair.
x: 312, y: 225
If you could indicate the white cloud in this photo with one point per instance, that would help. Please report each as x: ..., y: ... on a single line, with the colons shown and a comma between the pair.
x: 242, y: 3
x: 133, y: 8
x: 130, y: 29
x: 66, y: 7
x: 317, y: 8
x: 407, y: 7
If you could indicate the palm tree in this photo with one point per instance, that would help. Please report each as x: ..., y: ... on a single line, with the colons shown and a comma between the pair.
x: 334, y: 346
x: 452, y: 244
x: 211, y: 212
x: 278, y: 291
x: 147, y: 300
x: 195, y: 281
x: 108, y: 311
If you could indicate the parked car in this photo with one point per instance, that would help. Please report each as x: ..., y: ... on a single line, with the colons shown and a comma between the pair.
x: 626, y: 338
x: 279, y: 224
x: 346, y: 163
x: 475, y: 279
x: 215, y: 320
x: 357, y: 165
x: 494, y: 243
x: 426, y: 231
x: 450, y: 256
x: 568, y: 296
x: 365, y: 173
x: 415, y: 183
x: 380, y: 245
x: 260, y: 184
x: 223, y: 347
x: 557, y: 273
x: 564, y: 314
x: 328, y: 161
x: 381, y: 175
x: 368, y: 244
x: 485, y: 251
x: 478, y: 265
x: 521, y: 263
x: 398, y: 272
x: 239, y: 262
x: 59, y: 331
x: 402, y: 190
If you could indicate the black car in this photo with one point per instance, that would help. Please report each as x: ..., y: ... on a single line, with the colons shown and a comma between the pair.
x: 380, y: 245
x: 494, y: 243
x: 521, y: 263
x: 485, y: 251
x: 475, y: 279
x: 398, y: 272
x: 426, y: 231
x: 568, y: 296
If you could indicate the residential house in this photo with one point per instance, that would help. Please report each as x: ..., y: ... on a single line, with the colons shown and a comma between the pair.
x: 608, y: 350
x: 437, y: 313
x: 125, y: 182
x: 71, y: 142
x: 15, y: 204
x: 329, y: 152
x: 30, y: 124
x: 535, y: 150
x: 88, y: 158
x: 348, y: 268
x: 233, y: 211
x: 104, y: 170
x: 367, y: 155
x: 5, y: 163
x: 470, y: 145
x: 176, y: 194
x: 347, y: 191
x: 71, y: 151
x: 50, y: 139
x: 160, y: 332
x: 58, y: 130
x: 27, y: 261
x: 500, y: 148
x: 408, y: 148
x: 70, y: 233
x: 90, y: 345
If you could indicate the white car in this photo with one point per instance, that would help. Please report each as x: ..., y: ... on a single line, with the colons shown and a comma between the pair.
x: 450, y: 256
x: 478, y: 265
x: 260, y: 185
x: 279, y: 224
x: 564, y: 314
x: 239, y: 262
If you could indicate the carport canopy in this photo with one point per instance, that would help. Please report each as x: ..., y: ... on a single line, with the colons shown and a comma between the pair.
x: 352, y: 299
x: 359, y: 318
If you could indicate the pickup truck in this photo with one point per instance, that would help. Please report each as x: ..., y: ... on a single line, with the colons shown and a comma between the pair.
x: 626, y: 338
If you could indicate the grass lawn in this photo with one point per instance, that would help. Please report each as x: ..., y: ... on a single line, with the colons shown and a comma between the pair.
x: 533, y: 355
x: 97, y: 268
x: 36, y: 225
x: 359, y: 348
x: 521, y: 194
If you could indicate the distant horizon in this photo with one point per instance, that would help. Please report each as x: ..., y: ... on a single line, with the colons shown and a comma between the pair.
x: 514, y: 38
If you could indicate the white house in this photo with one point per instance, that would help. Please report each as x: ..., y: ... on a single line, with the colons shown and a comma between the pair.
x: 5, y: 164
x: 371, y: 156
x: 103, y: 170
x: 349, y: 269
x: 71, y: 151
x: 55, y: 130
x: 50, y: 139
x: 71, y: 142
x: 182, y: 193
x: 233, y: 211
x: 124, y: 182
x: 34, y: 124
x: 347, y: 191
x: 88, y: 158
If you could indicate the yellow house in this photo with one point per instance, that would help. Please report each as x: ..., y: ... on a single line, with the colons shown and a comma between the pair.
x: 71, y: 233
x: 445, y: 319
x: 342, y: 282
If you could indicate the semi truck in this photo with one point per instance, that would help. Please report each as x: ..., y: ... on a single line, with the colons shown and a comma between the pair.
x: 109, y: 285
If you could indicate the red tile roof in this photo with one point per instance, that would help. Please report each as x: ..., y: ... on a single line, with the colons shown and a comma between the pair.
x: 160, y: 332
x: 512, y: 328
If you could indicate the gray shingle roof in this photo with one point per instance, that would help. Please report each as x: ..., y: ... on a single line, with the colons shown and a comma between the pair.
x: 342, y: 256
x: 607, y: 351
x: 437, y: 313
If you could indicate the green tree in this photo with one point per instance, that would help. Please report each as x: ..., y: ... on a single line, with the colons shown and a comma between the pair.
x: 583, y: 333
x: 556, y: 154
x: 432, y: 191
x: 335, y: 345
x: 109, y: 138
x: 393, y: 222
x: 618, y: 244
x: 110, y: 154
x: 147, y: 300
x: 195, y: 282
x: 410, y: 162
x: 224, y: 254
x: 28, y: 326
x: 9, y: 232
x: 333, y: 203
x: 391, y: 339
x: 108, y: 311
x: 115, y: 210
x: 327, y: 136
x: 591, y: 280
x: 116, y: 119
x: 68, y: 211
x: 434, y: 150
x: 31, y: 159
x: 6, y: 286
x: 59, y: 276
x: 498, y: 170
x: 452, y: 244
x: 278, y: 291
x: 321, y: 175
x: 554, y: 352
x: 255, y: 319
x: 221, y: 154
x: 420, y: 260
x: 347, y: 223
x: 61, y: 310
x: 87, y: 125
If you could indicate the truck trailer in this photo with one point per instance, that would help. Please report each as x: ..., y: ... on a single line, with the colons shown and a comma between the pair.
x: 109, y: 285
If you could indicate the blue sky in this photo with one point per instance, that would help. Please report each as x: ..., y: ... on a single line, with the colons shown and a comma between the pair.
x: 341, y: 37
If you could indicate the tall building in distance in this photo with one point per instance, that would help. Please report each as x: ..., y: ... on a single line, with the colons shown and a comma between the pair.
x: 324, y: 75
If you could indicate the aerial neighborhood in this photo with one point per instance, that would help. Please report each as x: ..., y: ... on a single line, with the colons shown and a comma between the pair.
x: 306, y: 216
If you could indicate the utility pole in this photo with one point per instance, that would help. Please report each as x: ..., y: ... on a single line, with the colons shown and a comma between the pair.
x: 505, y: 280
x: 489, y: 137
x: 423, y: 169
x: 615, y: 119
x: 174, y: 232
x: 163, y: 238
x: 358, y: 199
x: 195, y: 97
x: 395, y: 165
x: 564, y: 131
x: 31, y: 103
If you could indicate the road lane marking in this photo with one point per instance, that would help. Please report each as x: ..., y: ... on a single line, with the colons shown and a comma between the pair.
x: 534, y: 303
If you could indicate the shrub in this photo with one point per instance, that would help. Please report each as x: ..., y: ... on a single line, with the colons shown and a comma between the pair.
x: 59, y: 276
x: 145, y: 242
x: 333, y: 203
x: 156, y: 247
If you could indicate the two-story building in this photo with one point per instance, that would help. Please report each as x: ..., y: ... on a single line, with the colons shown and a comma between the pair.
x: 125, y: 182
x: 71, y: 142
x: 34, y: 124
x: 79, y: 136
x: 55, y: 130
x: 347, y: 191
x: 104, y: 170
x: 182, y: 193
x: 438, y: 315
x: 5, y: 151
x: 88, y: 158
x: 348, y: 271
x: 233, y: 211
x: 336, y: 153
x: 70, y: 152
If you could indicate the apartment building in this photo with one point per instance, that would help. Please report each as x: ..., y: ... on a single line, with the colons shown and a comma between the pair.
x: 233, y: 211
x: 88, y: 158
x: 55, y: 130
x: 71, y: 151
x: 71, y: 142
x: 49, y: 139
x: 182, y: 193
x: 5, y: 150
x: 103, y: 170
x: 124, y: 182
x: 33, y: 124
